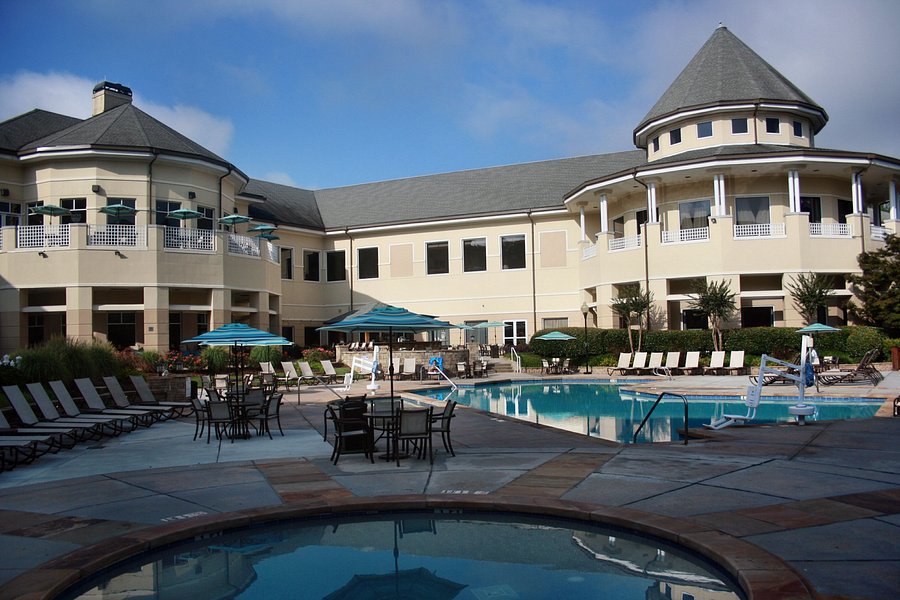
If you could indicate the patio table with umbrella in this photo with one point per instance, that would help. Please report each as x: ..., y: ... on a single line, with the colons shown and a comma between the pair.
x: 232, y: 220
x: 118, y: 210
x: 816, y: 328
x: 556, y: 336
x: 54, y: 237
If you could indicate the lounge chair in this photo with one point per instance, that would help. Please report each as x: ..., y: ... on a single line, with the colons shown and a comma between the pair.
x: 716, y: 363
x: 691, y: 364
x: 654, y: 363
x: 135, y: 418
x: 94, y: 401
x: 306, y: 373
x: 45, y: 439
x: 109, y: 425
x: 864, y: 371
x: 181, y: 409
x: 68, y: 433
x: 331, y: 375
x: 624, y: 362
x: 770, y: 377
x: 290, y: 377
x: 121, y: 400
x: 266, y: 367
x: 735, y: 363
x: 638, y: 366
x: 672, y: 360
x: 409, y: 369
x: 752, y: 402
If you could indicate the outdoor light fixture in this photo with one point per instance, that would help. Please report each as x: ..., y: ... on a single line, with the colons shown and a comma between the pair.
x: 95, y: 188
x: 712, y: 220
x: 119, y: 254
x: 42, y: 254
x: 191, y: 195
x: 585, y: 309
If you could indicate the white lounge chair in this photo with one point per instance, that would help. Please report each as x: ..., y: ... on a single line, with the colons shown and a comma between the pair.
x: 638, y: 366
x: 672, y: 360
x: 266, y: 367
x: 306, y: 373
x: 655, y: 362
x: 691, y: 364
x: 752, y: 402
x: 290, y: 377
x: 735, y: 363
x: 716, y: 363
x: 624, y: 362
x: 409, y: 368
x: 330, y: 374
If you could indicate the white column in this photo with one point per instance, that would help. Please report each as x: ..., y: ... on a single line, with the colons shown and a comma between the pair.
x: 651, y: 203
x: 604, y: 214
x: 583, y: 236
x: 794, y: 191
x: 719, y: 195
x: 895, y: 204
x: 856, y: 190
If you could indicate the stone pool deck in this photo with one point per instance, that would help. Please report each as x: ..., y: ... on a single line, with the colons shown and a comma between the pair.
x: 791, y: 512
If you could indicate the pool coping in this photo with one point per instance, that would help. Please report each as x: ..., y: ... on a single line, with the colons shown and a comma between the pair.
x: 759, y: 573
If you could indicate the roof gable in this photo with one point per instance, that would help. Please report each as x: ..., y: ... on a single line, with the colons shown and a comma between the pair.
x: 35, y: 124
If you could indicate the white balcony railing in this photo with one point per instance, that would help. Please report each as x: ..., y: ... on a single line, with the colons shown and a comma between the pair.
x: 680, y: 236
x: 117, y: 235
x: 830, y: 230
x: 274, y: 253
x: 191, y: 240
x: 625, y: 243
x: 879, y: 233
x: 589, y: 252
x: 759, y: 230
x: 42, y: 236
x: 243, y: 245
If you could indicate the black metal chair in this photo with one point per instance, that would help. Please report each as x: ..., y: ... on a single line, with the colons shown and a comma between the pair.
x: 351, y: 434
x: 201, y: 414
x: 441, y: 423
x: 219, y: 418
x: 271, y: 412
x: 414, y: 429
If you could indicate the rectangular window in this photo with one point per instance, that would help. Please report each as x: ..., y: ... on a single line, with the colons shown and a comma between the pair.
x: 515, y: 332
x: 120, y: 329
x: 335, y: 266
x: 675, y: 137
x: 798, y: 129
x: 121, y: 219
x: 32, y: 218
x: 163, y: 208
x: 368, y: 263
x: 845, y: 207
x: 757, y: 316
x: 77, y: 210
x: 9, y: 213
x: 287, y: 332
x: 437, y: 258
x: 641, y: 217
x: 693, y: 215
x: 287, y: 262
x: 656, y: 144
x: 739, y: 126
x: 556, y: 323
x: 618, y: 227
x: 751, y: 210
x: 693, y: 319
x: 202, y: 323
x: 206, y: 221
x: 773, y: 125
x: 813, y: 206
x: 474, y: 255
x: 704, y: 129
x: 512, y: 251
x: 310, y: 265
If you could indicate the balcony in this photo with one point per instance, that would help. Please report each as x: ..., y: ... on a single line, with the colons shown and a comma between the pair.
x: 831, y: 230
x: 243, y: 245
x: 117, y: 236
x: 682, y: 236
x: 42, y: 236
x: 189, y: 240
x: 759, y: 230
x: 625, y: 243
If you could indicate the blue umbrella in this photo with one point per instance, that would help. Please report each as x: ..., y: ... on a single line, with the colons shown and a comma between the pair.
x: 556, y: 336
x: 818, y: 328
x: 238, y: 335
x: 391, y: 319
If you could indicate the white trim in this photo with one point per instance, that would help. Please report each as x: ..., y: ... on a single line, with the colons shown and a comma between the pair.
x: 462, y: 220
x: 118, y: 307
x: 762, y: 294
x: 49, y: 308
x: 692, y: 113
x: 189, y: 307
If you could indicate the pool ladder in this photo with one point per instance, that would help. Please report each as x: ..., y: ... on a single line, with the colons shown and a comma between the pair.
x: 652, y: 408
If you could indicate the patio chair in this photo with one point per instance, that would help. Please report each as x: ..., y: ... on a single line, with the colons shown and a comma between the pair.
x: 864, y: 371
x: 624, y: 362
x: 108, y: 425
x: 135, y: 419
x: 545, y: 367
x: 414, y: 429
x: 290, y: 376
x: 146, y: 395
x: 735, y: 363
x: 638, y: 366
x: 271, y: 412
x: 68, y: 433
x: 92, y: 399
x: 752, y: 402
x: 120, y: 399
x: 201, y: 416
x: 46, y: 439
x: 306, y: 374
x: 330, y: 374
x: 691, y: 364
x: 564, y: 368
x: 672, y: 360
x: 462, y: 370
x: 219, y: 418
x: 441, y: 423
x: 409, y: 369
x: 351, y: 431
x: 20, y: 450
x: 716, y: 363
x: 655, y: 362
x: 266, y: 367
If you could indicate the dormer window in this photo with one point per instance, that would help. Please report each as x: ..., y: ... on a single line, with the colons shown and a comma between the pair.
x: 739, y: 126
x: 675, y: 137
x: 704, y: 129
x: 798, y: 129
x: 656, y: 144
x: 773, y: 125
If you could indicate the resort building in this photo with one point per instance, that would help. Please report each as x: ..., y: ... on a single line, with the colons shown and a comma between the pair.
x: 112, y: 226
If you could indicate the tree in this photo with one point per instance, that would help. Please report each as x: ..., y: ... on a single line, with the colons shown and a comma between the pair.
x: 632, y: 305
x: 809, y: 293
x: 717, y: 302
x: 877, y: 288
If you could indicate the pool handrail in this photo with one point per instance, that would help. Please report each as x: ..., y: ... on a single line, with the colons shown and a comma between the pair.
x: 652, y: 408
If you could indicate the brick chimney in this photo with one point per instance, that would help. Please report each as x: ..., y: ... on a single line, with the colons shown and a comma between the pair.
x: 108, y: 95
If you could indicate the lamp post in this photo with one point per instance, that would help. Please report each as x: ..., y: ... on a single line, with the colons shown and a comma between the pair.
x: 585, y: 309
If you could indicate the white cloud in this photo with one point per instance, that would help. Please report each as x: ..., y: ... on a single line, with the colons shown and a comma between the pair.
x: 212, y: 132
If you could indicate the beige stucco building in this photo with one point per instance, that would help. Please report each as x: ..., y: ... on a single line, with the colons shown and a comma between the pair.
x: 726, y: 183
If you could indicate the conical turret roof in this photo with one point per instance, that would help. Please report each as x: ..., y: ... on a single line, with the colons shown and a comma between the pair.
x: 726, y: 71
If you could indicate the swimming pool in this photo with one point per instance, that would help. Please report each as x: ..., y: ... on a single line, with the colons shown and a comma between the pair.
x: 418, y: 554
x: 604, y: 410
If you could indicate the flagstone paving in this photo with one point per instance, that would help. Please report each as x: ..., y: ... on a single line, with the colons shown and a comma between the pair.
x: 824, y: 498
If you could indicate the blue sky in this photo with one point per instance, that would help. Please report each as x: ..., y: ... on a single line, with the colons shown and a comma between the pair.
x: 336, y: 92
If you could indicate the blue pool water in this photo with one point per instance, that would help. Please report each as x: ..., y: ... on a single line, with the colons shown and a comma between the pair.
x: 604, y: 410
x: 417, y: 555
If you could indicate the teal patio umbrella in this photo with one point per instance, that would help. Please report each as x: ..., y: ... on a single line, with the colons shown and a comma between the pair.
x: 183, y: 214
x: 269, y: 236
x: 263, y: 228
x: 234, y: 219
x: 491, y: 325
x: 50, y: 210
x: 238, y: 335
x: 818, y: 328
x: 557, y: 336
x: 117, y: 210
x: 392, y: 319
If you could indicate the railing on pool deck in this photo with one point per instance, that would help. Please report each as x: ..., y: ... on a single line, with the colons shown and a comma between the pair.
x: 516, y: 358
x: 652, y: 408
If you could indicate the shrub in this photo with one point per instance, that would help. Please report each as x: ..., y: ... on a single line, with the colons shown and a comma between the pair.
x: 216, y: 359
x: 270, y: 354
x: 61, y: 358
x: 862, y: 339
x: 317, y: 354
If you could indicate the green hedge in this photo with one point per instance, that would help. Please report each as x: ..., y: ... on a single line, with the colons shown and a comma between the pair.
x: 849, y: 344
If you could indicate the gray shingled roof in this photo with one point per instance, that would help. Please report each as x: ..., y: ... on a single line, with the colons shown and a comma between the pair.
x: 724, y: 71
x: 496, y: 190
x: 284, y: 204
x: 129, y: 127
x: 19, y: 131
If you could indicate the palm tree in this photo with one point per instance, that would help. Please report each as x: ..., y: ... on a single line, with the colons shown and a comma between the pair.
x: 809, y: 293
x: 717, y: 302
x: 631, y: 306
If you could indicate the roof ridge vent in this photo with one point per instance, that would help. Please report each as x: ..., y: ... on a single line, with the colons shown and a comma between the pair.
x: 109, y: 95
